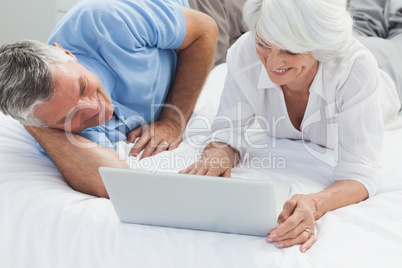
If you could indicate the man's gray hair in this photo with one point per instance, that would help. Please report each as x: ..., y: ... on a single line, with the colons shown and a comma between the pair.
x: 26, y: 78
x: 322, y: 27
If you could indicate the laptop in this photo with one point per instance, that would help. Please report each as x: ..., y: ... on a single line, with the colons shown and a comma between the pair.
x: 218, y: 204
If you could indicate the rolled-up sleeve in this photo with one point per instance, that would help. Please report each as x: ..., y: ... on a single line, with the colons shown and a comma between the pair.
x: 234, y: 116
x: 360, y: 128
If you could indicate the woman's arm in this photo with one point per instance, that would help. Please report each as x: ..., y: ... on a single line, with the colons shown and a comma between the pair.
x: 301, y: 212
x: 356, y: 176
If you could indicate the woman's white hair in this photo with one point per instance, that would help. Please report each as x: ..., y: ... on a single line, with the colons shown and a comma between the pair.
x: 26, y: 78
x: 322, y: 27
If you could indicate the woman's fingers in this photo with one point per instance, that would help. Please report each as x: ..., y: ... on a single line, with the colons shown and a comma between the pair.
x: 308, y: 244
x: 296, y: 224
x: 288, y: 209
x: 197, y: 168
x: 227, y: 173
x: 210, y: 166
x: 280, y: 234
x: 306, y: 238
x: 292, y: 226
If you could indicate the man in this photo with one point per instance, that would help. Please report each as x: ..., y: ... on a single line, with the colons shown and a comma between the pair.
x: 112, y: 66
x: 228, y: 16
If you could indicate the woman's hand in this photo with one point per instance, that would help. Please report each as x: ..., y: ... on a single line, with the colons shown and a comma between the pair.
x: 296, y: 223
x: 216, y: 160
x: 213, y: 162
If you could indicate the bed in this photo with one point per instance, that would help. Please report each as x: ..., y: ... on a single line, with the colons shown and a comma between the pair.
x: 44, y: 223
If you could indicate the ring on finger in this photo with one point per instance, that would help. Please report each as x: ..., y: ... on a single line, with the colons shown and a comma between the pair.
x: 310, y: 233
x: 165, y: 144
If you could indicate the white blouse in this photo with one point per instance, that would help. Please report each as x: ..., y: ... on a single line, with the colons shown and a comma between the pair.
x: 344, y: 111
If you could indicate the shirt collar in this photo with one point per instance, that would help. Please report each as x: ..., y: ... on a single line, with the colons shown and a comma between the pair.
x: 325, y: 82
x: 318, y: 85
x: 264, y: 82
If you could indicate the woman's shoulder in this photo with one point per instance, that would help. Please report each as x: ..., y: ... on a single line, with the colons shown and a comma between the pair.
x: 359, y: 53
x: 358, y: 61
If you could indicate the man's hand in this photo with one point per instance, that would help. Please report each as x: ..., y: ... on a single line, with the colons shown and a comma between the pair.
x: 163, y: 135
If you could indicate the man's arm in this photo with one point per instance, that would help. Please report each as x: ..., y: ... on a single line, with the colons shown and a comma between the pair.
x: 78, y: 162
x: 194, y: 64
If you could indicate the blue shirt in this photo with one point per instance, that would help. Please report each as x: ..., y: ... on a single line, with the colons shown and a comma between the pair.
x: 130, y: 46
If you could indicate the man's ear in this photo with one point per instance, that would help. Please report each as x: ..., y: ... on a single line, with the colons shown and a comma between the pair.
x: 65, y: 50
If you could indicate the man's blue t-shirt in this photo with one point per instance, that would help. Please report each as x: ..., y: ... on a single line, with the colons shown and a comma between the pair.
x: 130, y: 46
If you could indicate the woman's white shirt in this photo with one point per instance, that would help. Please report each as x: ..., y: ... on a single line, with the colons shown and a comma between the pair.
x: 343, y: 113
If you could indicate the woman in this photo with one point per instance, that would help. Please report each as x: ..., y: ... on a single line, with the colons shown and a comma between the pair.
x: 301, y: 69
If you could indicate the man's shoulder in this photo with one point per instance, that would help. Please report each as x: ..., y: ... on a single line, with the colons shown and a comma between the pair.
x: 86, y: 18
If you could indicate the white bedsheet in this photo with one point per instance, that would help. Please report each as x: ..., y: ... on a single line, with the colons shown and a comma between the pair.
x: 44, y: 223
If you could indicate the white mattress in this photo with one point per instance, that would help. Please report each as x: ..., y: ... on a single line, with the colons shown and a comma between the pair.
x: 44, y: 223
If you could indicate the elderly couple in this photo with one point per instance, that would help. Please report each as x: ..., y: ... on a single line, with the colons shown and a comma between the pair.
x: 109, y: 62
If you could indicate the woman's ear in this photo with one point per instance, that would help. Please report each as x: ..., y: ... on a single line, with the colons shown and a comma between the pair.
x: 65, y: 50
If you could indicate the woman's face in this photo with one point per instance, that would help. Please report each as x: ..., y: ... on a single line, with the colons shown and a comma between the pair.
x: 286, y: 68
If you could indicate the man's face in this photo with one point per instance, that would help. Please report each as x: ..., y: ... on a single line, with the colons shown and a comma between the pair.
x: 79, y: 100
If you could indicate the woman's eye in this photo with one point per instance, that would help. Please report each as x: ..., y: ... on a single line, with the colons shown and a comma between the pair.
x: 263, y: 46
x: 291, y: 53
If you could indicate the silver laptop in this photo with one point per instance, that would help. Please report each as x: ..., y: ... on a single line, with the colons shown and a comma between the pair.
x: 229, y: 205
